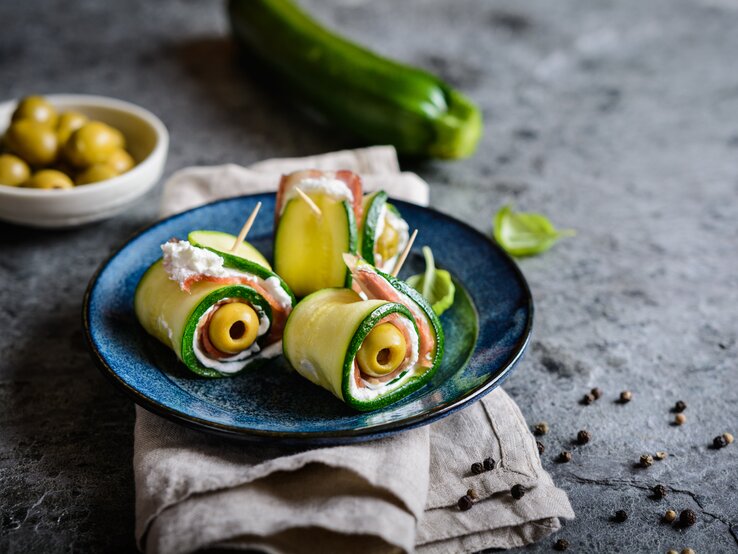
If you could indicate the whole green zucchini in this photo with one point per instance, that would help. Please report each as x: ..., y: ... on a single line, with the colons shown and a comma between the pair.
x: 383, y: 101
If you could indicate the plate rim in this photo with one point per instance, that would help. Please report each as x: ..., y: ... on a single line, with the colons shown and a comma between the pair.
x: 304, y: 437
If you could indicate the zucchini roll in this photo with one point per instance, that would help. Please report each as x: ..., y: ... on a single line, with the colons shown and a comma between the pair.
x: 384, y: 234
x: 307, y: 246
x: 219, y: 311
x: 369, y: 349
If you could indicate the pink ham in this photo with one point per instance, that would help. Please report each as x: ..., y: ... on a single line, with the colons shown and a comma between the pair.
x: 351, y: 179
x: 372, y: 284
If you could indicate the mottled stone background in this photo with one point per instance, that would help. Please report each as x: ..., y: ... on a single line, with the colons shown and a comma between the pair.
x: 618, y: 118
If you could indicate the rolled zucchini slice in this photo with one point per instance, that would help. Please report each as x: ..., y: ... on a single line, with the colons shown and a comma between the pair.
x: 221, y: 243
x: 307, y: 246
x: 365, y: 352
x: 217, y: 312
x: 383, y: 233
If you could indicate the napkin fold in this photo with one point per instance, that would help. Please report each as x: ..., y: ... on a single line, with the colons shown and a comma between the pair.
x: 396, y: 494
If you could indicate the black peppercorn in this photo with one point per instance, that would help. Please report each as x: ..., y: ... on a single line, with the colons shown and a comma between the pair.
x: 621, y: 516
x: 540, y: 446
x: 517, y: 491
x: 540, y: 428
x: 587, y: 399
x: 489, y: 464
x: 471, y: 493
x: 625, y: 396
x: 659, y: 492
x: 477, y: 468
x: 680, y: 406
x: 597, y: 393
x: 719, y: 442
x: 646, y: 460
x: 561, y: 545
x: 583, y: 437
x: 564, y: 457
x: 687, y: 518
x: 465, y: 503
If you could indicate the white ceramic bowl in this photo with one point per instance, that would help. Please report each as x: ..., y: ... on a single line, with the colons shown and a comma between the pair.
x: 147, y: 140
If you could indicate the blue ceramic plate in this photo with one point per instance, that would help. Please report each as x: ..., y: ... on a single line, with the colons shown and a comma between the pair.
x: 486, y: 329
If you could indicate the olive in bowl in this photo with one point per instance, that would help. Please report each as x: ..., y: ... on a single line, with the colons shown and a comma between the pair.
x: 130, y: 142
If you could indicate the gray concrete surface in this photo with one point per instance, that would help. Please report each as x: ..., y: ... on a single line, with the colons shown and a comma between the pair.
x: 616, y: 118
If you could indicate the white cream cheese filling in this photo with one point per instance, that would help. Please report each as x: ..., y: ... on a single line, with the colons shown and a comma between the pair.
x: 335, y: 188
x: 182, y: 261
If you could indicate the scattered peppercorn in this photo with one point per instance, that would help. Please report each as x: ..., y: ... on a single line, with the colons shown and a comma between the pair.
x: 564, y: 457
x: 719, y: 442
x: 587, y: 399
x: 597, y: 393
x: 583, y: 437
x: 625, y: 396
x: 687, y: 518
x: 540, y: 428
x: 687, y: 551
x: 661, y: 455
x: 669, y: 516
x: 540, y: 446
x: 517, y: 491
x: 680, y: 419
x: 672, y: 551
x: 489, y: 464
x: 471, y: 493
x: 659, y: 491
x: 465, y: 503
x: 728, y: 438
x: 680, y: 406
x: 561, y: 545
x: 621, y: 516
x: 477, y: 468
x: 646, y: 460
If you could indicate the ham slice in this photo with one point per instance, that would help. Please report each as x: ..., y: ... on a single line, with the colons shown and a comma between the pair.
x: 351, y: 180
x: 374, y: 286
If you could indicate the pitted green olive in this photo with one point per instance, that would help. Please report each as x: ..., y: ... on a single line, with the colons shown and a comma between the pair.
x: 93, y: 143
x: 388, y: 242
x: 96, y: 173
x: 233, y: 327
x: 49, y: 179
x: 13, y: 170
x: 68, y: 123
x: 121, y: 161
x: 36, y: 108
x: 33, y: 141
x: 382, y: 351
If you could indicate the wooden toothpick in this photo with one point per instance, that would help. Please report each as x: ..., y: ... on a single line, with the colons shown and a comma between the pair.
x: 246, y: 227
x: 306, y: 198
x: 403, y: 256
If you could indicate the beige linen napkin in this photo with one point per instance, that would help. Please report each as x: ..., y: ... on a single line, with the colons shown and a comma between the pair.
x: 397, y: 494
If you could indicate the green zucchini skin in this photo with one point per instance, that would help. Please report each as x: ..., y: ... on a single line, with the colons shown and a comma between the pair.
x: 383, y: 101
x: 372, y: 210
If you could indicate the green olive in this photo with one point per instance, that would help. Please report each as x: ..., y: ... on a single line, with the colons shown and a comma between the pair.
x: 68, y: 123
x: 233, y: 327
x: 33, y: 141
x: 96, y: 173
x: 13, y: 170
x: 49, y: 179
x: 382, y: 351
x: 93, y: 143
x: 388, y: 242
x: 36, y: 108
x: 121, y: 161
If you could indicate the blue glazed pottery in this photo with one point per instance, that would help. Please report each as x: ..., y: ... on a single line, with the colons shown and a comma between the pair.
x: 487, y: 329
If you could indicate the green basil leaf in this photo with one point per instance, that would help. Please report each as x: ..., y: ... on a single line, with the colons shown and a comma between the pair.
x: 525, y: 234
x: 435, y: 285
